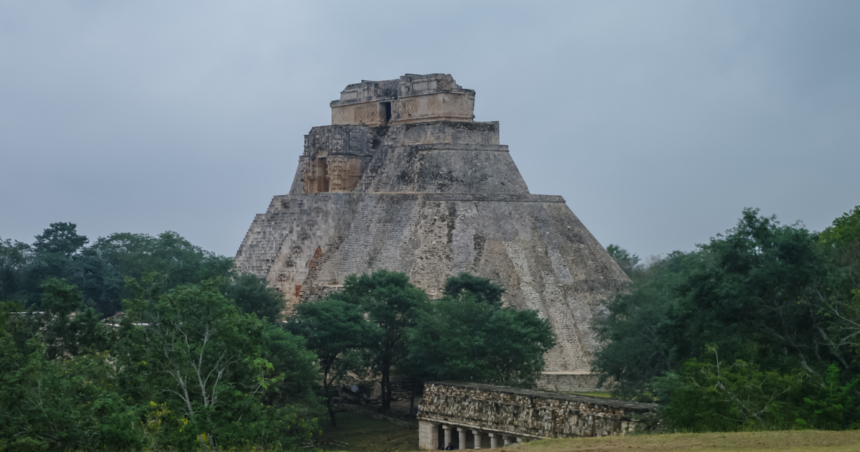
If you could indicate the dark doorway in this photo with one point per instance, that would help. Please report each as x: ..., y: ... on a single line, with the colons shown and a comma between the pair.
x: 321, y: 173
x: 386, y: 112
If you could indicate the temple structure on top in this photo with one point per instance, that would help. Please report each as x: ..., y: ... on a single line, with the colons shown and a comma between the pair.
x: 411, y: 98
x: 404, y: 179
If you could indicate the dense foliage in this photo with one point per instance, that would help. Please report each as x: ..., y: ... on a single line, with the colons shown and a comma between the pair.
x: 338, y: 333
x: 759, y: 328
x: 191, y: 361
x: 466, y: 339
x: 99, y: 270
x: 140, y: 342
x: 383, y: 323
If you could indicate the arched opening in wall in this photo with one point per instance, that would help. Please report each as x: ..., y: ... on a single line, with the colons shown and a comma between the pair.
x: 320, y: 175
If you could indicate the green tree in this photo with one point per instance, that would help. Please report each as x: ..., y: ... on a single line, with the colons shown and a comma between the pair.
x: 779, y: 302
x: 194, y: 350
x: 712, y: 395
x: 67, y: 404
x: 481, y: 288
x: 54, y: 396
x: 467, y: 339
x: 843, y: 236
x: 753, y: 285
x: 53, y: 253
x: 391, y: 304
x: 633, y: 330
x: 626, y: 260
x: 99, y: 270
x: 15, y: 258
x: 66, y: 326
x: 254, y: 296
x: 54, y: 250
x: 60, y: 252
x: 837, y: 299
x: 749, y: 292
x: 170, y: 254
x: 337, y: 332
x: 61, y: 239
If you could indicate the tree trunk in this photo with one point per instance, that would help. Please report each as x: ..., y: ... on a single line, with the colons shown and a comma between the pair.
x: 327, y: 389
x: 330, y: 412
x: 386, y: 387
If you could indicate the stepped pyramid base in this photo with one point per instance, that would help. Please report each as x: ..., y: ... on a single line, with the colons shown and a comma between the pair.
x: 532, y: 245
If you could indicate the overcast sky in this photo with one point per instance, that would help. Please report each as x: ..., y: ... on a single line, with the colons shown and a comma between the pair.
x: 657, y: 121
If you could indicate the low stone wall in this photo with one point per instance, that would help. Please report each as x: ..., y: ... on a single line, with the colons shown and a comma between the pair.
x: 481, y: 410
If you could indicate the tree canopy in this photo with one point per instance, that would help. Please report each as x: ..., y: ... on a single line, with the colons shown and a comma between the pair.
x: 337, y: 332
x: 192, y: 358
x: 482, y: 289
x: 391, y: 304
x: 467, y: 339
x: 99, y: 270
x: 764, y: 302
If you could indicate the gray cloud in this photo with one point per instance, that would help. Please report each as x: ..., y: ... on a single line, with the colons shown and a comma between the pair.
x: 657, y: 121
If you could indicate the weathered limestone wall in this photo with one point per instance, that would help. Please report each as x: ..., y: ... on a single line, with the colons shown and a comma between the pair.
x: 434, y: 157
x: 431, y: 107
x: 440, y: 168
x: 442, y: 132
x: 532, y: 245
x: 522, y: 413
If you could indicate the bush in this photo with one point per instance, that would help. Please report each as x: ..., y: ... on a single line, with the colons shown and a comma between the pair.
x: 712, y: 396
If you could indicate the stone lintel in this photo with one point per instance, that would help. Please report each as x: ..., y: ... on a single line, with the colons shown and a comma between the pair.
x: 460, y: 147
x: 276, y: 205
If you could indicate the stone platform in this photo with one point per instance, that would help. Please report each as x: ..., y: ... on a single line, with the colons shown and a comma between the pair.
x: 475, y: 416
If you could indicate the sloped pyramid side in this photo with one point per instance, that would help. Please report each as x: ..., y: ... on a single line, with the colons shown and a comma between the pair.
x: 533, y: 245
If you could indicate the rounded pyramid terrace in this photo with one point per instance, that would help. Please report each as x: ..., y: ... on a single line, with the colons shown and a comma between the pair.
x: 431, y: 195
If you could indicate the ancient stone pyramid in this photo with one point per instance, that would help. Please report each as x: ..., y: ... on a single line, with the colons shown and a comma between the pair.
x: 405, y: 180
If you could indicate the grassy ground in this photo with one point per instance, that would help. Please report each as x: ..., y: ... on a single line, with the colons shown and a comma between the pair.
x: 358, y: 433
x: 785, y: 441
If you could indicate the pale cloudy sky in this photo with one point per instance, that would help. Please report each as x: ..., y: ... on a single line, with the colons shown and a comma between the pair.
x: 658, y: 121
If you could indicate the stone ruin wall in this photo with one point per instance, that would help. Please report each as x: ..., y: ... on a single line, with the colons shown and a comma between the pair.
x: 527, y: 413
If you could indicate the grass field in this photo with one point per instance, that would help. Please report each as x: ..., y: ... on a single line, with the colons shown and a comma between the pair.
x: 785, y: 441
x: 358, y: 433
